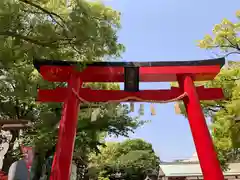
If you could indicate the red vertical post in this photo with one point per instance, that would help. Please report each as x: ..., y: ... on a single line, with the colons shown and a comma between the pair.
x: 61, y: 167
x: 203, y: 142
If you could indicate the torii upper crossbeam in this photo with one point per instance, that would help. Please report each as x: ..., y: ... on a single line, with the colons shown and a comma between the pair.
x: 131, y: 73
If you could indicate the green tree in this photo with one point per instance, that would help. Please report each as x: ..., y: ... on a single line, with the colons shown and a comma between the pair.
x: 131, y: 159
x: 75, y: 30
x: 225, y: 37
x: 223, y: 114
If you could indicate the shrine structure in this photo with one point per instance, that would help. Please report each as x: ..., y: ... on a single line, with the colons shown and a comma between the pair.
x: 19, y: 124
x: 131, y: 73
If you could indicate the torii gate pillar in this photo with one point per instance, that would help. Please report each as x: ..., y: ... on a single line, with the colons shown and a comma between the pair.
x: 201, y: 136
x: 67, y: 131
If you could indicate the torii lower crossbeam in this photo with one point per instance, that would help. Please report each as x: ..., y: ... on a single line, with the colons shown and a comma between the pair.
x: 185, y: 73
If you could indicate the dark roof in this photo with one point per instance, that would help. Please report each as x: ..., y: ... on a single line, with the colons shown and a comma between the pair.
x: 217, y: 61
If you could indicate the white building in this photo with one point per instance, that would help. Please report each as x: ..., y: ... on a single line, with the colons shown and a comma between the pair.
x: 189, y: 169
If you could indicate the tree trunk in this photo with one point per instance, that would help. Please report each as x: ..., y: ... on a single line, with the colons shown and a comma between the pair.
x: 9, y: 158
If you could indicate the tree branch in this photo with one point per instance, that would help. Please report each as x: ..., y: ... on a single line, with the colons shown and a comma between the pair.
x: 17, y: 108
x: 51, y: 14
x: 25, y: 38
x: 236, y: 46
x: 212, y: 109
x: 222, y: 46
x: 234, y: 52
x: 37, y: 42
x: 214, y: 106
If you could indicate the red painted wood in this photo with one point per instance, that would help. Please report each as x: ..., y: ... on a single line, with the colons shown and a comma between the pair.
x: 209, y: 93
x: 60, y: 94
x: 203, y: 142
x: 52, y: 95
x: 116, y: 74
x: 61, y: 168
x: 205, y: 149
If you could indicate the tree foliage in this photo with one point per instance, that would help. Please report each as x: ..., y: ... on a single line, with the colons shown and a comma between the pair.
x: 223, y: 114
x: 74, y: 30
x: 225, y: 37
x: 77, y: 30
x: 131, y: 159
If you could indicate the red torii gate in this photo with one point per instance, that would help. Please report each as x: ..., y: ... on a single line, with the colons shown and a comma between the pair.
x: 131, y: 73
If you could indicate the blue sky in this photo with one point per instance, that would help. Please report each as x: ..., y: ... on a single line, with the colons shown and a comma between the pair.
x: 165, y: 30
